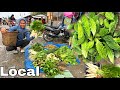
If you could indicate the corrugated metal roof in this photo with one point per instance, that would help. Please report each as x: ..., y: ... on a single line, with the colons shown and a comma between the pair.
x: 39, y: 16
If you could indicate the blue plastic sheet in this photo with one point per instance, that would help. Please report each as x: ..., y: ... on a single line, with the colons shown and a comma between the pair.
x: 28, y: 63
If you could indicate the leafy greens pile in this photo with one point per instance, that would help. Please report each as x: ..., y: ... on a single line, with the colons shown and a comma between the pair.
x: 37, y: 26
x: 49, y: 59
x: 95, y: 37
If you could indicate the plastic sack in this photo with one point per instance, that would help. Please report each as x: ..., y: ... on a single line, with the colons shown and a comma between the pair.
x: 68, y: 14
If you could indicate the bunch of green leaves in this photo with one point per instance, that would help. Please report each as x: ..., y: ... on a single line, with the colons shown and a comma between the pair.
x: 66, y: 55
x: 46, y: 60
x: 39, y: 58
x: 37, y: 47
x: 95, y: 36
x: 37, y: 26
x: 110, y: 71
x: 50, y: 66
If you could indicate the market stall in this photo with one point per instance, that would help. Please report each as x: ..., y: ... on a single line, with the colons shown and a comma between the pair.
x: 33, y: 57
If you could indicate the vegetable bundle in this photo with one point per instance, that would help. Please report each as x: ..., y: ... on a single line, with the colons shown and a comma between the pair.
x: 95, y: 36
x: 106, y: 71
x: 37, y: 26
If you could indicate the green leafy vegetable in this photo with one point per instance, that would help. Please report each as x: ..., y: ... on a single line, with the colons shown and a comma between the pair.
x: 109, y: 15
x: 110, y: 71
x: 37, y: 26
x: 101, y: 49
x: 93, y: 26
x: 111, y: 43
x: 86, y: 25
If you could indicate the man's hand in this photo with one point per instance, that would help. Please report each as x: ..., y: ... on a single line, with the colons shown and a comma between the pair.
x: 3, y: 30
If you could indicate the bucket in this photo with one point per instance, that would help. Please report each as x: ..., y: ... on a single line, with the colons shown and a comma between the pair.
x: 9, y: 38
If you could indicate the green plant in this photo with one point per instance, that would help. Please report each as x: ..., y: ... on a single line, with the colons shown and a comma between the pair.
x: 47, y: 62
x: 110, y: 71
x: 39, y: 58
x: 37, y: 26
x: 37, y: 47
x: 50, y: 66
x: 49, y: 59
x: 95, y: 37
x: 66, y: 55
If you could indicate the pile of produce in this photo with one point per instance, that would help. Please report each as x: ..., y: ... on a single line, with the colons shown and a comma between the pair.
x: 96, y: 38
x: 106, y: 71
x: 93, y: 71
x: 37, y: 27
x: 66, y: 55
x: 110, y: 71
x: 50, y: 46
x: 49, y: 59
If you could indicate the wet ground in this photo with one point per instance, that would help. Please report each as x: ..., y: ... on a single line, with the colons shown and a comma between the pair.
x: 9, y: 60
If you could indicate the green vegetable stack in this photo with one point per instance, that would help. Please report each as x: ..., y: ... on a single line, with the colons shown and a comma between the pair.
x: 66, y: 55
x: 37, y: 47
x: 110, y: 71
x: 49, y: 60
x: 95, y: 37
x: 37, y: 26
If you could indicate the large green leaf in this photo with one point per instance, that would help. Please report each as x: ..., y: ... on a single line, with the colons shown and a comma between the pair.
x: 101, y: 21
x: 109, y: 15
x: 74, y: 40
x: 103, y: 31
x: 90, y: 44
x: 106, y: 23
x: 86, y: 25
x: 81, y: 36
x: 111, y: 43
x: 93, y: 26
x: 84, y: 49
x: 112, y: 27
x: 101, y: 49
x: 86, y: 46
x: 110, y: 53
x: 96, y: 19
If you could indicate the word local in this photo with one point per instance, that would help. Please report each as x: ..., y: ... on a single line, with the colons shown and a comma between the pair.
x: 20, y: 72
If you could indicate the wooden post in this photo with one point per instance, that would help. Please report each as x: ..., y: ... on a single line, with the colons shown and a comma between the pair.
x: 58, y: 16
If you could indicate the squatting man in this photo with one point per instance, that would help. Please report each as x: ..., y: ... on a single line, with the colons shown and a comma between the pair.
x: 22, y: 34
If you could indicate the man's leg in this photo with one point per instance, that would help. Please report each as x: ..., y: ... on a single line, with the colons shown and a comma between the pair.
x: 24, y: 43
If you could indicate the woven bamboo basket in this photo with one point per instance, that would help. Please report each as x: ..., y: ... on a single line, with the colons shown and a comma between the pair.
x: 9, y: 38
